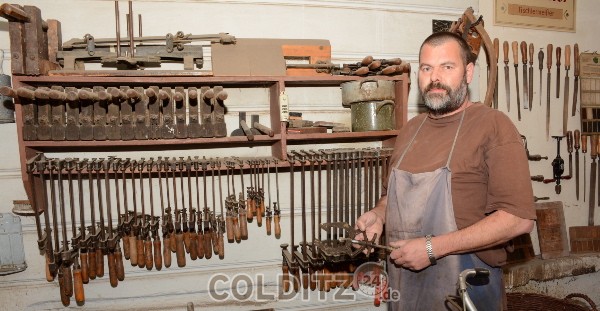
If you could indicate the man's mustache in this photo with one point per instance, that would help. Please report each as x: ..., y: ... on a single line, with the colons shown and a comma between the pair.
x: 437, y: 85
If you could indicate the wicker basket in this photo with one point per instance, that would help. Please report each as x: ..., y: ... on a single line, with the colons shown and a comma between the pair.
x: 532, y: 301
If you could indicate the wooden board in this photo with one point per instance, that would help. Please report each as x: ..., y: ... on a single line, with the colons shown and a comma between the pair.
x: 585, y: 239
x: 521, y: 249
x: 551, y: 228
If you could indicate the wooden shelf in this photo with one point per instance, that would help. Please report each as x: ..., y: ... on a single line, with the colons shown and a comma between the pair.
x: 294, y: 139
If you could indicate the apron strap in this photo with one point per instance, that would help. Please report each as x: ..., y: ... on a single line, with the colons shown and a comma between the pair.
x: 409, y: 144
x: 462, y: 117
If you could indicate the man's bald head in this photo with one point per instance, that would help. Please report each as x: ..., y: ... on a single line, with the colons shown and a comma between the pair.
x: 443, y: 37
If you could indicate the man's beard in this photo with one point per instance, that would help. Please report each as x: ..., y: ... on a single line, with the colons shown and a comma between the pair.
x: 441, y: 104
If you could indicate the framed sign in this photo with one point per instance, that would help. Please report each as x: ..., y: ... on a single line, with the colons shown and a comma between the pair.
x: 539, y: 14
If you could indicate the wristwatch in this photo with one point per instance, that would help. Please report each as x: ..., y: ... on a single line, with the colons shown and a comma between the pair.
x: 429, y: 248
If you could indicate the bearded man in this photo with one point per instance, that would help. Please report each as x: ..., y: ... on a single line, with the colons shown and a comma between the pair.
x: 459, y: 188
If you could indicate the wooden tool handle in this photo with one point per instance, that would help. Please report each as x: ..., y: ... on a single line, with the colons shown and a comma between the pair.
x: 64, y: 298
x: 157, y: 248
x: 99, y: 263
x: 85, y: 272
x: 569, y: 141
x: 177, y: 96
x: 268, y: 225
x: 237, y: 231
x: 567, y: 56
x: 285, y: 280
x: 112, y: 270
x: 68, y: 281
x: 577, y: 134
x: 149, y: 255
x: 78, y: 287
x: 259, y: 211
x: 505, y: 51
x: 221, y: 246
x: 187, y: 241
x: 531, y: 54
x: 193, y: 246
x: 92, y: 264
x: 327, y: 277
x: 26, y: 93
x: 496, y: 48
x: 263, y: 129
x: 14, y: 13
x: 250, y: 211
x: 361, y: 71
x: 374, y: 65
x: 8, y: 91
x: 210, y: 93
x: 40, y: 93
x: 49, y: 275
x: 150, y: 92
x: 180, y: 251
x: 243, y: 224
x: 593, y: 148
x: 141, y: 261
x: 549, y: 54
x: 133, y: 251
x: 167, y: 251
x: 576, y: 58
x: 296, y: 280
x: 173, y: 243
x: 215, y: 242
x: 222, y: 95
x: 229, y: 228
x: 367, y: 60
x: 119, y: 264
x: 126, y: 251
x: 208, y: 244
x: 246, y: 130
x: 515, y: 52
x: 524, y: 52
x: 312, y: 278
x: 200, y: 244
x: 276, y: 221
x: 558, y: 53
x: 87, y: 95
x: 584, y: 143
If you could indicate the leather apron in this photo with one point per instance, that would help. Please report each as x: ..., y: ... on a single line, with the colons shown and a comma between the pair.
x: 421, y: 204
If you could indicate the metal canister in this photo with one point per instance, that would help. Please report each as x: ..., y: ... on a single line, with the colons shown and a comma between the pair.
x: 375, y: 115
x: 7, y: 106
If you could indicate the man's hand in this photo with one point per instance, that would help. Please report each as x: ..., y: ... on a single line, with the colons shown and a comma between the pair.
x: 410, y: 254
x: 371, y: 224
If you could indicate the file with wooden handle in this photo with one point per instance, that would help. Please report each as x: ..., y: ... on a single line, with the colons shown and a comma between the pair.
x: 576, y: 75
x: 566, y: 93
x: 515, y: 50
x: 525, y: 79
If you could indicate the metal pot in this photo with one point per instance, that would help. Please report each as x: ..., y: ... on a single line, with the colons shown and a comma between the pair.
x: 367, y: 90
x: 373, y: 116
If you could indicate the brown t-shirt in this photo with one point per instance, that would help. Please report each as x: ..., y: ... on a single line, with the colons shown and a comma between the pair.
x: 489, y: 166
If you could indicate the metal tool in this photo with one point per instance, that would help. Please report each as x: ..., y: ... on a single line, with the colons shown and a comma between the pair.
x: 548, y: 79
x: 558, y: 165
x: 506, y: 74
x: 558, y: 55
x: 584, y: 151
x: 525, y: 79
x: 576, y: 75
x: 593, y: 153
x: 515, y: 51
x: 570, y: 151
x: 496, y: 52
x: 373, y: 245
x: 577, y: 137
x: 566, y: 93
x: 530, y: 76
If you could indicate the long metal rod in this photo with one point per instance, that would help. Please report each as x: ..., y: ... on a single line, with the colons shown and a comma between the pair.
x: 117, y: 29
x: 130, y: 30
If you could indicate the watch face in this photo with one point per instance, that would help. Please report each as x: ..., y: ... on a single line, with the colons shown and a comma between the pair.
x: 371, y: 279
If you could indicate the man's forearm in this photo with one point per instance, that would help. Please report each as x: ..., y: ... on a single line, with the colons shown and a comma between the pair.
x: 379, y: 208
x: 497, y: 228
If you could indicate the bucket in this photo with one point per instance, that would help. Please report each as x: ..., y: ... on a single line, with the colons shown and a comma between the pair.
x: 373, y: 116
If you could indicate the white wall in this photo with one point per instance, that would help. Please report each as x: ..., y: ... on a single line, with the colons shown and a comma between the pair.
x: 356, y: 29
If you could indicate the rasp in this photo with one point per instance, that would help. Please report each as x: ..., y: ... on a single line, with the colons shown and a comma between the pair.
x: 541, y: 66
x: 515, y: 50
x: 566, y: 93
x: 548, y: 78
x: 506, y: 74
x: 497, y: 52
x: 525, y: 79
x: 584, y: 151
x: 576, y: 74
x: 530, y: 76
x: 577, y: 134
x: 558, y: 50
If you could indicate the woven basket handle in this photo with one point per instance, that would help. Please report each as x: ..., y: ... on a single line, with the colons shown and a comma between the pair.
x: 584, y: 297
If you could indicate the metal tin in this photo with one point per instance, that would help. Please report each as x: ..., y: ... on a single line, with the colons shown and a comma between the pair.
x: 12, y: 253
x: 7, y: 107
x: 373, y: 116
x: 367, y: 90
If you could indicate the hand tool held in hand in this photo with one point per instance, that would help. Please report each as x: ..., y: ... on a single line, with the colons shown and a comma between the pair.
x: 525, y: 79
x: 577, y: 135
x: 576, y: 75
x: 506, y: 74
x: 373, y: 245
x: 548, y: 78
x: 515, y: 51
x: 566, y: 93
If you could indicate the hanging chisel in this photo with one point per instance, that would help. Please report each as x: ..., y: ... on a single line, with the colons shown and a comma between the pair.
x: 530, y: 76
x: 506, y: 75
x: 515, y: 50
x: 577, y: 134
x: 496, y: 51
x: 584, y: 151
x: 548, y: 78
x: 566, y: 93
x: 593, y: 153
x: 541, y: 67
x: 558, y: 50
x: 576, y: 74
x: 525, y: 79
